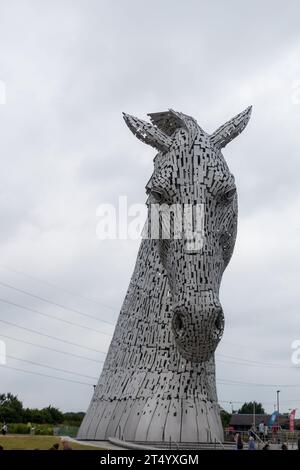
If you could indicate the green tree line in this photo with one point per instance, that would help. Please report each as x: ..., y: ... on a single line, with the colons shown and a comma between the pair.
x: 12, y: 411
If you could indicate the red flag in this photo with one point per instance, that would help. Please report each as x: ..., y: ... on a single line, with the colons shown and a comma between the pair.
x: 292, y: 420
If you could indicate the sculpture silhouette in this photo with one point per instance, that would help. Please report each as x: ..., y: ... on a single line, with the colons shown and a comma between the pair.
x: 158, y: 381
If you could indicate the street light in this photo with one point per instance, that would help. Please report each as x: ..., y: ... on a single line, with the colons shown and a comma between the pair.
x: 278, y: 391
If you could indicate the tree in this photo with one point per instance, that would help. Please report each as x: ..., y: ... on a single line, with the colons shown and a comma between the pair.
x: 12, y: 411
x: 73, y: 418
x: 33, y: 415
x: 248, y: 408
x: 49, y: 415
x: 53, y: 415
x: 225, y: 418
x: 11, y: 408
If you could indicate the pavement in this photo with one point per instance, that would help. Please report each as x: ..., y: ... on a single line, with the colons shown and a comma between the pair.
x: 101, y: 444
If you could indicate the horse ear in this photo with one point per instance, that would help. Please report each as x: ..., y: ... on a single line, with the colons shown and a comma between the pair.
x: 226, y: 133
x: 148, y: 133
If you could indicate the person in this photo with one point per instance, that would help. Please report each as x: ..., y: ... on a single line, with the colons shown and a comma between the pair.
x: 4, y: 429
x: 66, y: 444
x: 251, y: 443
x: 252, y: 431
x: 261, y: 430
x: 55, y: 447
x: 284, y: 446
x: 266, y: 447
x: 239, y: 443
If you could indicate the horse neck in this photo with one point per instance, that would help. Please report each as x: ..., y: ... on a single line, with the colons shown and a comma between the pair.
x: 147, y: 304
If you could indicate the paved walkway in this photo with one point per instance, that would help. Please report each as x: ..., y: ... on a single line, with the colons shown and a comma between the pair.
x: 102, y: 444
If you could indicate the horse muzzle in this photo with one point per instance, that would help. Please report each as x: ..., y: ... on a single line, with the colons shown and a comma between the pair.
x: 198, y: 328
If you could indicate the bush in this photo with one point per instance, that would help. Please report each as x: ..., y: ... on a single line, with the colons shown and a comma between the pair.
x: 44, y: 431
x: 18, y: 428
x: 40, y: 429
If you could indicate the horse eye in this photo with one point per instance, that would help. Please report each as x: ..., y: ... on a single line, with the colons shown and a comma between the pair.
x: 159, y: 195
x: 229, y: 195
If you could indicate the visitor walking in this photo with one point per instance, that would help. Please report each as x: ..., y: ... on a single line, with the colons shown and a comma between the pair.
x: 4, y: 430
x: 261, y: 430
x: 252, y: 432
x: 251, y: 443
x: 239, y: 442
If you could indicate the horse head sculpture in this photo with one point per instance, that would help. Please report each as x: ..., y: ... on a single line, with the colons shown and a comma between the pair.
x: 191, y: 172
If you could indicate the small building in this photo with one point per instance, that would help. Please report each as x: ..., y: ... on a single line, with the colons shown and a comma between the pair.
x: 243, y: 422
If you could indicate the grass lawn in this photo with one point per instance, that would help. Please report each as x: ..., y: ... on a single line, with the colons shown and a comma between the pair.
x: 24, y: 442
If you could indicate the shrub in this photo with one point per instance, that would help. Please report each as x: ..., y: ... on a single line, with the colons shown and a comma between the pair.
x: 40, y: 429
x: 18, y: 428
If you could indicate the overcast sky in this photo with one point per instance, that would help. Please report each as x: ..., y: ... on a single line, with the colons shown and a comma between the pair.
x: 70, y: 67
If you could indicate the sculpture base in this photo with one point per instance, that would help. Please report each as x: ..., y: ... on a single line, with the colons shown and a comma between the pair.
x: 154, y: 419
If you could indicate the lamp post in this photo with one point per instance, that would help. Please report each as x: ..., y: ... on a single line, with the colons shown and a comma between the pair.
x: 278, y: 392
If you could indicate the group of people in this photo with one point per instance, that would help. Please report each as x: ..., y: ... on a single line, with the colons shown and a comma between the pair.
x: 252, y: 443
x: 65, y: 443
x: 263, y: 431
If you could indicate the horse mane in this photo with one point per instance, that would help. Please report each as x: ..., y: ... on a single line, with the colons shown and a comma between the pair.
x: 170, y: 121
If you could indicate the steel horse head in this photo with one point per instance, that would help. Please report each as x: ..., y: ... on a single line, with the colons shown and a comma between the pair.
x: 190, y: 171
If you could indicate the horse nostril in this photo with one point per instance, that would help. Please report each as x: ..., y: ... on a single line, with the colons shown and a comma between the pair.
x: 219, y: 321
x: 178, y: 324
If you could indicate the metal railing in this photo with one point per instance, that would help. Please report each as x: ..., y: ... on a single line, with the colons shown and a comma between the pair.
x: 216, y: 440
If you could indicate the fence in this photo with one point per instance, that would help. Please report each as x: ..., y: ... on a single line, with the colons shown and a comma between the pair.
x: 279, y: 437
